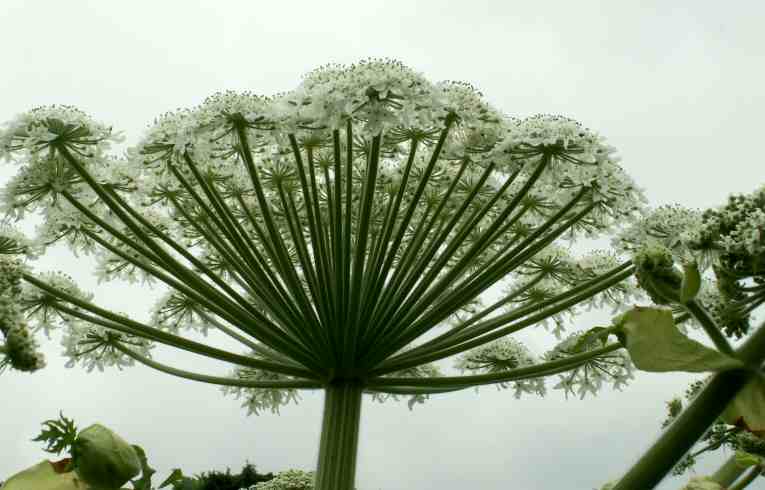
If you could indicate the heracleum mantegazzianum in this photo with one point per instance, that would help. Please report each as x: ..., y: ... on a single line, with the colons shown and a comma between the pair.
x: 349, y: 233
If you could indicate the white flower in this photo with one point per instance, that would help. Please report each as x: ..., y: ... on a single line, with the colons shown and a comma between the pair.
x: 288, y: 480
x: 589, y: 377
x: 258, y: 399
x: 502, y: 355
x: 93, y: 346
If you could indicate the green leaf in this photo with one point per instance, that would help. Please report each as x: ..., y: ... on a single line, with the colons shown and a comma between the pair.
x: 58, y: 435
x: 175, y: 476
x: 691, y: 282
x: 747, y: 410
x: 656, y: 345
x: 144, y: 483
x: 746, y: 459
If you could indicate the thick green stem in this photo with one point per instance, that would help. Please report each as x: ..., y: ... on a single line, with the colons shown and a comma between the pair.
x: 339, y: 436
x: 709, y: 326
x: 691, y: 424
x: 728, y: 472
x: 749, y: 478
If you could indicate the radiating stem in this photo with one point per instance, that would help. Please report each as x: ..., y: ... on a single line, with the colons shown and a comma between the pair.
x: 498, y: 327
x: 216, y: 380
x: 125, y: 325
x: 535, y: 371
x: 338, y: 447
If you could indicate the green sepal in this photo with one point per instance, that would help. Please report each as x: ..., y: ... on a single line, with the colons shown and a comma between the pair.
x: 691, y: 284
x: 144, y: 483
x: 105, y: 460
x: 747, y: 410
x: 175, y: 476
x: 656, y: 345
x: 745, y: 459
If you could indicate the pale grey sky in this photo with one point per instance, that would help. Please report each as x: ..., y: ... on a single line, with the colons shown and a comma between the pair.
x: 677, y: 87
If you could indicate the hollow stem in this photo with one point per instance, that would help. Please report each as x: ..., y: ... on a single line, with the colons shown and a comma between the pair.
x: 338, y: 447
x: 695, y: 420
x: 728, y: 472
x: 710, y: 326
x: 749, y: 478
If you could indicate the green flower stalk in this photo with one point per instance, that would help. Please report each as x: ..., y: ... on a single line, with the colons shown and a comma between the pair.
x: 728, y: 410
x: 351, y: 234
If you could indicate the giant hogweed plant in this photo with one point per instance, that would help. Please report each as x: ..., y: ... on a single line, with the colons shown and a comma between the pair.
x: 718, y: 289
x: 350, y: 234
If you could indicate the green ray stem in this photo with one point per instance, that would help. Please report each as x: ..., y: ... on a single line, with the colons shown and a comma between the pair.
x: 217, y: 380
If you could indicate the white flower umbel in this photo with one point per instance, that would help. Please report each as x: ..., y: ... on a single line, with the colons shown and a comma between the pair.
x: 615, y: 367
x: 94, y: 346
x: 328, y: 229
x: 502, y: 355
x: 674, y: 226
x: 288, y: 480
x: 257, y: 400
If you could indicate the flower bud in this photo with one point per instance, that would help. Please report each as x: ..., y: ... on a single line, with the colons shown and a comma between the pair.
x: 656, y: 274
x: 21, y: 349
x: 104, y: 459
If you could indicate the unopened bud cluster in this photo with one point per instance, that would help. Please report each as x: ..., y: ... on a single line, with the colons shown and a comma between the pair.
x: 656, y: 273
x: 20, y: 347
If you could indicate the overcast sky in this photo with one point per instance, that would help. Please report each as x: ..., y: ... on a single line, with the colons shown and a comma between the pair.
x: 678, y: 89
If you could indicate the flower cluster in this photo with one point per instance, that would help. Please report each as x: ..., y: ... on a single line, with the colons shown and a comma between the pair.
x: 39, y: 306
x: 288, y: 480
x: 502, y: 355
x: 737, y: 230
x: 20, y: 347
x: 615, y: 367
x: 257, y: 400
x: 422, y: 371
x: 727, y: 240
x: 671, y: 225
x: 93, y: 346
x: 597, y: 263
x: 13, y: 242
x: 44, y: 127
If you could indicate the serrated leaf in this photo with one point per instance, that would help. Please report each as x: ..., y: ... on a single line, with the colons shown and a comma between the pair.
x: 57, y: 435
x: 656, y: 345
x: 747, y: 410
